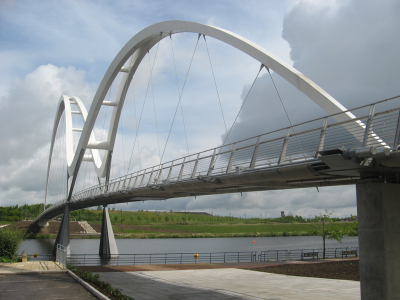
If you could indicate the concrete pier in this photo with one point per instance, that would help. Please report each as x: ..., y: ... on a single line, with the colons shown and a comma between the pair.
x: 108, y: 246
x: 63, y: 232
x: 378, y: 206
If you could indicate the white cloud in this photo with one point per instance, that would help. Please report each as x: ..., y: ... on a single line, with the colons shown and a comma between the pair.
x: 26, y: 120
x: 349, y: 48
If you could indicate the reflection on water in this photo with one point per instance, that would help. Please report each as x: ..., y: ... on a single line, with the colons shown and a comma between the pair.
x: 199, y: 245
x: 41, y: 246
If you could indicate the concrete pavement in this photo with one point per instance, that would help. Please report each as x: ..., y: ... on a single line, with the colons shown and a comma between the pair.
x: 228, y: 284
x: 29, y: 267
x: 42, y: 286
x: 39, y: 280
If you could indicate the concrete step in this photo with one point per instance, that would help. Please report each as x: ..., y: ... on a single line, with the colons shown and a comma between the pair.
x: 86, y: 226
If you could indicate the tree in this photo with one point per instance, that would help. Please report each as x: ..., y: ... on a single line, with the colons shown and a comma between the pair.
x: 325, y: 228
x: 353, y: 230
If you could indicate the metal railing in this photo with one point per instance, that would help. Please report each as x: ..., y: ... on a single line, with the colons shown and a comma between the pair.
x: 61, y: 255
x: 188, y: 258
x: 282, y: 255
x: 272, y: 149
x: 162, y: 258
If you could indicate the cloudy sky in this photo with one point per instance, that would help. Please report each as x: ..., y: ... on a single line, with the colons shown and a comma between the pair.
x: 54, y: 48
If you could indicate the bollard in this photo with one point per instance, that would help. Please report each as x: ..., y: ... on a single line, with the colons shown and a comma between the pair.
x: 24, y: 258
x: 196, y: 256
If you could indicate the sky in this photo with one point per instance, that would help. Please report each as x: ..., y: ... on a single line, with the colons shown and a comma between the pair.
x: 54, y: 48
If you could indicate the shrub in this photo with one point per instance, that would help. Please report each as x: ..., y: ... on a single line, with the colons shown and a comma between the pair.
x: 10, y: 239
x: 103, y: 286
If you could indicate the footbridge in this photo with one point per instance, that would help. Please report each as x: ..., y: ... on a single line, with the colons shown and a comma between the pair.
x: 348, y: 146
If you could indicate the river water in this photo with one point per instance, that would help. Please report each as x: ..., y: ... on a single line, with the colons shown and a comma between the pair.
x: 192, y: 245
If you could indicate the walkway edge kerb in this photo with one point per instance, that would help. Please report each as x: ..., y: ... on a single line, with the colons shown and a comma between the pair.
x: 88, y: 286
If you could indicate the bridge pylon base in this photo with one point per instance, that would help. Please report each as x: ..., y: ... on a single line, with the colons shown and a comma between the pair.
x: 378, y: 206
x: 108, y: 246
x: 63, y: 233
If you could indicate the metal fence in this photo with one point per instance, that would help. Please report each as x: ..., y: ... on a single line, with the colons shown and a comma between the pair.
x: 281, y: 255
x: 61, y: 255
x: 186, y: 258
x: 162, y: 258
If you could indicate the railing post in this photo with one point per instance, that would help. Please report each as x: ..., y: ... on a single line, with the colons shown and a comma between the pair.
x: 397, y: 134
x: 144, y: 175
x: 321, y: 137
x: 137, y: 176
x: 181, y: 171
x: 129, y: 182
x: 151, y: 176
x: 195, y: 166
x: 228, y: 169
x: 159, y: 174
x: 212, y: 163
x: 368, y: 126
x: 284, y: 146
x: 254, y: 158
x: 170, y: 171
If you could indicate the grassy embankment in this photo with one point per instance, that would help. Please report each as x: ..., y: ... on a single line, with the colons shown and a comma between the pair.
x: 180, y: 225
x: 133, y: 224
x: 220, y: 230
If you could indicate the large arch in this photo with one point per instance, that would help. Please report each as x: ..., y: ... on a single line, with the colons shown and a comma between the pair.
x: 64, y: 106
x: 130, y: 56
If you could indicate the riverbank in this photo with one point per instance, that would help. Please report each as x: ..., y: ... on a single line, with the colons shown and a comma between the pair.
x: 156, y: 231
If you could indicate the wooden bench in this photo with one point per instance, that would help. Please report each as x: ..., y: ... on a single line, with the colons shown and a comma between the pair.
x: 309, y: 254
x: 351, y: 252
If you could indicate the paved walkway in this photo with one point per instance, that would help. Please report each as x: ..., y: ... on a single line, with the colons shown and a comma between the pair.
x: 29, y: 267
x: 228, y: 283
x: 41, y: 286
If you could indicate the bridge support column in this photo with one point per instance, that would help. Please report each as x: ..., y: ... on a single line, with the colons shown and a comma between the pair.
x: 108, y: 246
x: 43, y: 223
x: 378, y: 206
x: 63, y: 232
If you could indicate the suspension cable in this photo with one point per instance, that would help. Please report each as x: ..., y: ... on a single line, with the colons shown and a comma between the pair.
x: 180, y: 96
x: 216, y: 87
x: 291, y: 125
x: 137, y: 128
x: 179, y: 92
x: 244, y: 102
x: 154, y: 105
x: 144, y: 102
x: 122, y: 138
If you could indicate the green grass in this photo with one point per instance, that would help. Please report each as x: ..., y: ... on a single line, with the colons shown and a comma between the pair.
x: 239, y: 228
x: 225, y: 230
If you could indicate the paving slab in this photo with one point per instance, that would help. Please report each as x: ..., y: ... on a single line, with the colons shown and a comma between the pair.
x: 42, y: 286
x: 228, y: 283
x: 29, y: 267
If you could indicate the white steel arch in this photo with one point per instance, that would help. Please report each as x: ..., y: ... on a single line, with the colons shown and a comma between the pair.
x: 128, y: 60
x: 64, y: 106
